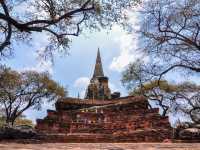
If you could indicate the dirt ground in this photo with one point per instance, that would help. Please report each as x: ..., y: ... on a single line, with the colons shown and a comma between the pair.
x: 101, y: 146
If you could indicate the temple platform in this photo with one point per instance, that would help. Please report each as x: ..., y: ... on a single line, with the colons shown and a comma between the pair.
x: 126, y: 119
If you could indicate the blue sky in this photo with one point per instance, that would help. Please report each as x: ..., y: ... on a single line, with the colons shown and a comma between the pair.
x: 75, y: 69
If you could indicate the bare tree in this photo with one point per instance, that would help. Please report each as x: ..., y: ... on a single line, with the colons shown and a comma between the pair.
x: 60, y: 19
x: 170, y: 35
x: 139, y: 80
x: 22, y: 91
x: 188, y: 102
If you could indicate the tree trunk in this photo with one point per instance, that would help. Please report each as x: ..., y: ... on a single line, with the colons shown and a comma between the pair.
x: 164, y: 112
x: 10, y: 122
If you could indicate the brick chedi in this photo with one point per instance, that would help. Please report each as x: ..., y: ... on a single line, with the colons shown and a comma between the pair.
x: 98, y: 87
x: 101, y: 117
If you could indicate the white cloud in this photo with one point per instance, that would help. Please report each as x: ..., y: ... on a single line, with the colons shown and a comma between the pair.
x: 25, y: 8
x: 127, y: 53
x: 41, y: 66
x: 113, y: 87
x: 82, y: 82
x: 81, y: 85
x: 128, y: 44
x: 82, y: 94
x: 39, y: 42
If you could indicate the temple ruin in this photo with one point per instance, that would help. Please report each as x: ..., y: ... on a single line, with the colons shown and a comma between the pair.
x: 104, y: 116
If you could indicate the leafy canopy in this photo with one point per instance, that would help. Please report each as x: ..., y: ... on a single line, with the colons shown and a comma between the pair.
x: 20, y: 91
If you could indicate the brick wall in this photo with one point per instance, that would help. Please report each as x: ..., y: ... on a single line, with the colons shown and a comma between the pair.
x: 126, y: 117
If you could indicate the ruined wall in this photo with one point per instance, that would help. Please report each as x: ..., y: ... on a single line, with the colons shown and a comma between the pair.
x: 124, y: 121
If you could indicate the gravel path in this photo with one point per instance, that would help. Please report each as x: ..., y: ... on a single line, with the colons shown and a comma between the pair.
x: 101, y: 146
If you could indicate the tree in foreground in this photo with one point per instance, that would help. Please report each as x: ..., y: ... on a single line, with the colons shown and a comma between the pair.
x: 25, y: 90
x: 59, y: 19
x: 161, y: 96
x: 170, y: 36
x: 182, y: 98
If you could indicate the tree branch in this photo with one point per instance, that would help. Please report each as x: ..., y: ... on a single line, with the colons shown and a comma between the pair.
x: 9, y: 32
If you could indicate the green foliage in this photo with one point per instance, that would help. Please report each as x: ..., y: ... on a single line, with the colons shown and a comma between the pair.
x: 22, y: 121
x: 18, y: 121
x: 24, y: 90
x: 139, y: 80
x: 169, y: 33
x: 162, y: 85
x: 133, y: 76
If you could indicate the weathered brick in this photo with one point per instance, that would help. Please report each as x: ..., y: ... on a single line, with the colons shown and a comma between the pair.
x: 123, y: 119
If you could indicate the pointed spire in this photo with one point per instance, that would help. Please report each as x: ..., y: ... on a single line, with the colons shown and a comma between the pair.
x: 98, y: 71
